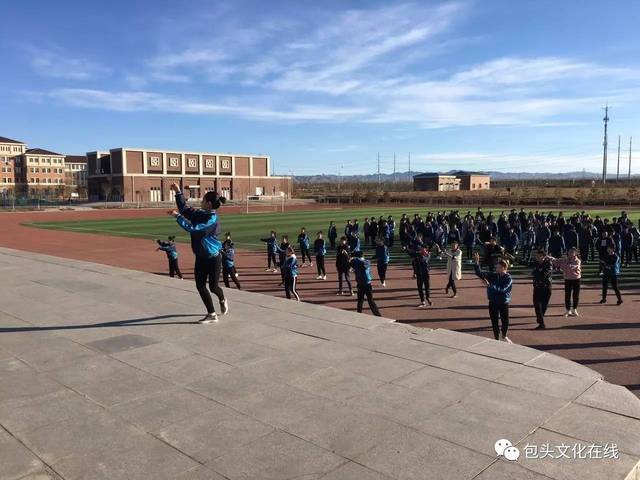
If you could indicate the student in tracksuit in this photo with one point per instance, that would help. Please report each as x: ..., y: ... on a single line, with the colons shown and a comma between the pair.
x: 454, y: 267
x: 320, y: 251
x: 332, y: 234
x: 290, y: 268
x: 343, y: 254
x: 272, y: 248
x: 169, y: 247
x: 362, y: 270
x: 382, y: 261
x: 229, y: 262
x: 202, y: 224
x: 303, y: 243
x: 610, y: 263
x: 499, y: 284
x: 422, y: 262
x: 392, y: 230
x: 282, y: 255
x: 542, y: 272
x: 571, y: 267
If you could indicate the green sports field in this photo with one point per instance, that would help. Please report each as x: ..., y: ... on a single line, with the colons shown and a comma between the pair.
x: 247, y: 229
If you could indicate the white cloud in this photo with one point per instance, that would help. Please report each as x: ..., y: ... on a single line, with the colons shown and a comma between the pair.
x: 57, y: 63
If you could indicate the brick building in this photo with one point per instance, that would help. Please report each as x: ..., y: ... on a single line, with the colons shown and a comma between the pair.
x: 75, y: 175
x: 9, y: 150
x: 41, y: 172
x: 435, y: 182
x: 473, y: 180
x: 136, y: 174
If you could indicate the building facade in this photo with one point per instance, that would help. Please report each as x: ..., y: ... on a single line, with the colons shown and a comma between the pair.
x: 435, y: 182
x: 143, y: 175
x: 9, y: 150
x: 75, y: 175
x: 452, y: 181
x: 41, y: 172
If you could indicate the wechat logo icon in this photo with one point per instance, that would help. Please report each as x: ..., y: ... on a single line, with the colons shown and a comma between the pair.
x: 504, y: 447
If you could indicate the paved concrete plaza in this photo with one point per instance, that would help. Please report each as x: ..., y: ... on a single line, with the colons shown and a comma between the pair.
x: 105, y: 375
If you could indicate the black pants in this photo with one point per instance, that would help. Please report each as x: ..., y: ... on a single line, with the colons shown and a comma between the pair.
x: 366, y: 290
x: 497, y: 313
x: 366, y: 239
x: 526, y: 253
x: 332, y: 242
x: 469, y: 252
x: 451, y: 284
x: 347, y: 278
x: 423, y: 287
x: 304, y: 252
x: 382, y: 271
x: 271, y: 260
x: 290, y: 287
x: 627, y: 252
x: 584, y: 252
x: 613, y: 279
x: 541, y: 297
x: 320, y: 265
x: 208, y: 268
x: 230, y: 272
x: 174, y: 269
x: 571, y: 294
x: 391, y: 240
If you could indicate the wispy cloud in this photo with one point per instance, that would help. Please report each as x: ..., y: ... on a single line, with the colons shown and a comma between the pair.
x: 58, y: 63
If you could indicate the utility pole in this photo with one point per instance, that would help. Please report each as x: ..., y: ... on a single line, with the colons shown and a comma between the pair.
x: 629, y: 177
x: 409, y: 166
x: 604, y: 144
x: 394, y: 168
x: 378, y: 168
x: 618, y: 171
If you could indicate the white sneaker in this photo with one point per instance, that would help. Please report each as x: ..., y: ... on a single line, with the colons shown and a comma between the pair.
x: 507, y: 339
x: 575, y: 313
x: 319, y: 277
x: 224, y: 307
x: 384, y: 284
x: 422, y: 304
x: 324, y: 277
x: 311, y: 264
x: 567, y: 313
x: 209, y: 318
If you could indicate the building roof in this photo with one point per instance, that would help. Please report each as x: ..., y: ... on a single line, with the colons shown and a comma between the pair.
x: 42, y: 151
x: 8, y: 140
x: 75, y: 159
x: 433, y: 175
x: 464, y: 173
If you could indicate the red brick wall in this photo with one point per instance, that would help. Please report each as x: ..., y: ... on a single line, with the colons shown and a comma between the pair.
x: 229, y: 167
x: 151, y: 168
x: 178, y: 167
x: 134, y: 162
x: 211, y: 168
x: 242, y: 165
x: 260, y: 167
x: 189, y: 169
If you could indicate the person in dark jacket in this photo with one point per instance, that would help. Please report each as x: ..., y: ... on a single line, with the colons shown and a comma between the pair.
x: 392, y: 231
x: 365, y: 230
x: 290, y: 268
x: 303, y: 243
x: 362, y: 271
x: 422, y: 268
x: 499, y: 284
x: 382, y: 261
x: 332, y: 234
x: 272, y: 249
x: 320, y: 251
x: 343, y: 254
x: 203, y: 226
x: 542, y: 273
x: 492, y: 254
x: 610, y: 263
x: 570, y: 236
x: 229, y: 262
x: 556, y: 245
x: 281, y: 250
x: 169, y: 247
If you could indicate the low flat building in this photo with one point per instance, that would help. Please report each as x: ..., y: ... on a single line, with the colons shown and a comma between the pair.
x: 473, y: 180
x: 145, y: 175
x: 435, y: 182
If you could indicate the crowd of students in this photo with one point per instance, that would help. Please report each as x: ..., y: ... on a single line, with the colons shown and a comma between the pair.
x: 544, y: 241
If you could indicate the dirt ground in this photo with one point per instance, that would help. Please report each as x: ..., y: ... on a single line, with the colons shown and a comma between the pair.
x: 605, y: 337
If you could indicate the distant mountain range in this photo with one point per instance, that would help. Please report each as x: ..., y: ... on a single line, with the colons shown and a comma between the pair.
x: 406, y: 177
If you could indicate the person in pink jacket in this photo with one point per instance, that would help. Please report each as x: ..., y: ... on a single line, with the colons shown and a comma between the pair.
x: 571, y: 267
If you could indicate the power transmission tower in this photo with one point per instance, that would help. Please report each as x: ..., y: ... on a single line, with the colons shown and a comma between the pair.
x: 394, y: 168
x: 618, y: 171
x: 409, y: 166
x: 629, y: 177
x: 378, y: 168
x: 604, y: 144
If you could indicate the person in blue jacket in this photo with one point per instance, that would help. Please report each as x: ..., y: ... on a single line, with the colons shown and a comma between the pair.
x: 362, y: 270
x: 203, y: 226
x: 169, y: 247
x: 229, y: 262
x: 332, y: 234
x: 290, y: 271
x: 382, y: 261
x: 282, y: 255
x: 499, y: 284
x: 610, y: 264
x: 303, y: 243
x: 320, y: 251
x: 392, y: 231
x: 272, y: 249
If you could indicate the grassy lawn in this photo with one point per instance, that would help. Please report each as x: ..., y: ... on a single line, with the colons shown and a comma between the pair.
x: 247, y: 229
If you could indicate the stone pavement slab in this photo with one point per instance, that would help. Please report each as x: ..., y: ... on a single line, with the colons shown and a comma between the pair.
x: 107, y: 375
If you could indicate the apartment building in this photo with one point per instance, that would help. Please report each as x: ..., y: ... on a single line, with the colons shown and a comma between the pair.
x: 75, y: 175
x: 9, y: 150
x: 145, y: 175
x: 40, y: 172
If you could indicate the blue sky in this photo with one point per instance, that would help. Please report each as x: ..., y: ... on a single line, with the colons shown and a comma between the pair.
x: 501, y: 85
